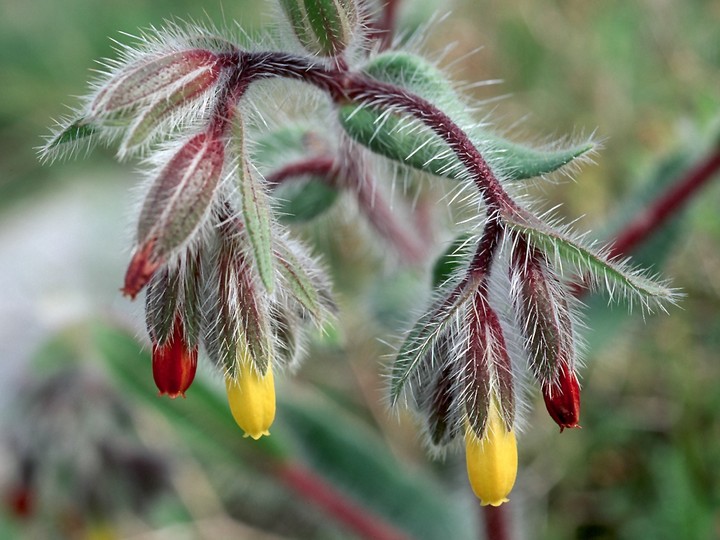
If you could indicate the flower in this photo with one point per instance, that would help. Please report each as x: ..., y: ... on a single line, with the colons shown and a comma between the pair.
x: 491, y: 460
x: 252, y: 398
x: 174, y: 363
x: 562, y: 399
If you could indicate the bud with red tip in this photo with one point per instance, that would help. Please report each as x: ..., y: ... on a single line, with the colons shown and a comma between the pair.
x: 562, y: 399
x: 174, y: 363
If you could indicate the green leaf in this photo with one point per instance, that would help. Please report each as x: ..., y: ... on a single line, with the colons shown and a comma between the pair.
x: 402, y: 138
x: 300, y: 201
x: 354, y: 458
x: 424, y: 335
x: 561, y: 245
x: 256, y: 213
x: 298, y: 282
x: 451, y: 260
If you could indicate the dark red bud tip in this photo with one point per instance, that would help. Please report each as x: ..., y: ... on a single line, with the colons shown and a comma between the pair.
x: 562, y: 399
x: 174, y: 364
x: 19, y: 501
x: 141, y: 269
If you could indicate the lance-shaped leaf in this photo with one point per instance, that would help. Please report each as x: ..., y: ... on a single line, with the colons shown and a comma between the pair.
x: 188, y: 89
x: 161, y: 303
x: 559, y: 245
x: 303, y: 200
x: 255, y: 209
x: 402, y: 138
x: 180, y: 197
x: 304, y: 281
x: 147, y: 78
x: 192, y: 296
x: 452, y: 259
x: 66, y: 138
x: 543, y: 314
x: 424, y: 334
x: 487, y: 372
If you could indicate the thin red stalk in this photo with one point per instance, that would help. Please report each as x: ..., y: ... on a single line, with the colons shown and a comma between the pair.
x: 370, y: 202
x: 381, y: 216
x: 383, y: 29
x: 665, y: 206
x: 496, y: 522
x: 323, y: 495
x: 322, y: 166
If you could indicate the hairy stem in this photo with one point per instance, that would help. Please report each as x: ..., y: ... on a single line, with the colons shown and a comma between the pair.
x: 344, y: 87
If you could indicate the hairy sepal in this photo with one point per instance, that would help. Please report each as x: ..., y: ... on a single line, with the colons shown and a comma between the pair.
x: 148, y: 78
x: 593, y: 264
x: 181, y: 195
x: 255, y: 209
x: 401, y: 138
x: 424, y: 334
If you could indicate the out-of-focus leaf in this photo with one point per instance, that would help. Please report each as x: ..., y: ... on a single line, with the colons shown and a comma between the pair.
x: 344, y: 450
x: 451, y: 260
x: 204, y: 413
x: 304, y: 200
x: 604, y: 320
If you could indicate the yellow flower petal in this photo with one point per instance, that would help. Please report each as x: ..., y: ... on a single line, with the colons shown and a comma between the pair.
x: 491, y: 461
x: 252, y: 400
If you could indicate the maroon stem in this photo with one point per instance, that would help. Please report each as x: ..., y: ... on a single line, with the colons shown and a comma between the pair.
x: 323, y: 495
x: 372, y: 204
x: 346, y: 87
x: 665, y: 206
x: 496, y: 522
x: 322, y: 166
x: 381, y: 216
x: 383, y: 29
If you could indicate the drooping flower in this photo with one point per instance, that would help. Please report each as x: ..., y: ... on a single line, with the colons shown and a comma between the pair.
x: 491, y: 460
x: 252, y: 398
x: 562, y: 399
x: 174, y: 363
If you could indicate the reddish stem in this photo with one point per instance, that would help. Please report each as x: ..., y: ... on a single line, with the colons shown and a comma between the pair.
x: 645, y: 223
x: 316, y: 490
x: 496, y: 522
x: 383, y: 29
x: 321, y: 166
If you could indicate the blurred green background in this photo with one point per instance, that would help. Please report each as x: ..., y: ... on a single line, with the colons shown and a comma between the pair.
x: 644, y: 76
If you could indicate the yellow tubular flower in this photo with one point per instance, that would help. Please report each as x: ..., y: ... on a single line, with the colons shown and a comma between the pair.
x: 491, y: 461
x: 252, y: 400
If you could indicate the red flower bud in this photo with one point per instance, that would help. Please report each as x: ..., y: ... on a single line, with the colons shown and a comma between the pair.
x: 562, y: 399
x: 141, y: 269
x: 174, y: 363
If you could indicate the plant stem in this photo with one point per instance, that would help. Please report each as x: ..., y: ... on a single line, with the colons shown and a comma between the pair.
x: 496, y: 522
x: 665, y: 206
x: 322, y: 166
x: 322, y: 494
x: 344, y: 87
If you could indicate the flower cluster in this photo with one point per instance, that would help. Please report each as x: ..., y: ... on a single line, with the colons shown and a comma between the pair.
x: 223, y: 275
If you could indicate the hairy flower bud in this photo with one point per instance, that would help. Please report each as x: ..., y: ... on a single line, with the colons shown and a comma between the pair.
x: 323, y: 27
x: 176, y: 205
x: 562, y: 399
x: 149, y: 77
x: 174, y: 363
x: 491, y: 460
x: 251, y: 397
